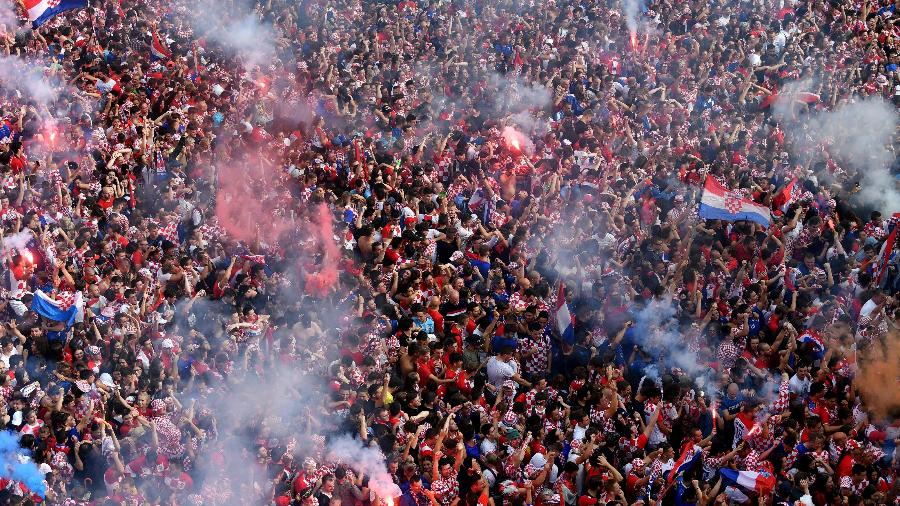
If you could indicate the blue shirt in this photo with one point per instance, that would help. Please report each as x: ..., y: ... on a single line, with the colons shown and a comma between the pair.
x: 483, y: 267
x: 407, y: 499
x: 755, y: 321
x: 426, y: 326
x: 725, y: 403
x: 500, y: 342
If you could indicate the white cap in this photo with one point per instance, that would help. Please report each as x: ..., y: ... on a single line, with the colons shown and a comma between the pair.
x: 107, y: 380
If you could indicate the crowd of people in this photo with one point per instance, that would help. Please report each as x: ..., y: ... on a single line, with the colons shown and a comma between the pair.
x: 448, y: 252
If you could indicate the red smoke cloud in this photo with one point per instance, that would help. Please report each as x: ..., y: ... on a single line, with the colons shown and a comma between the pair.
x: 247, y: 201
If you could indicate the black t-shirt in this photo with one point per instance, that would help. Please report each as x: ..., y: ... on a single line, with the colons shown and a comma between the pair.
x: 444, y: 249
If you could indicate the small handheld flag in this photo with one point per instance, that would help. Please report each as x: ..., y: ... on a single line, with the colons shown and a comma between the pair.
x: 158, y: 49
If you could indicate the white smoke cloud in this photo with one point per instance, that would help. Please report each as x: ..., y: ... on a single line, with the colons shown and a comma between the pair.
x: 858, y: 135
x: 631, y: 11
x: 513, y: 95
x: 365, y: 460
x: 237, y: 29
x: 862, y: 134
x: 656, y: 328
x: 27, y: 79
x: 15, y: 242
x: 8, y: 17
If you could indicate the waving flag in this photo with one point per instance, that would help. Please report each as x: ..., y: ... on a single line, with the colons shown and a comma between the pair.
x: 689, y: 456
x: 40, y: 11
x: 158, y: 49
x: 887, y: 249
x: 720, y: 203
x: 761, y: 482
x: 258, y: 259
x: 787, y: 195
x: 67, y: 312
x: 564, y: 320
x: 811, y: 337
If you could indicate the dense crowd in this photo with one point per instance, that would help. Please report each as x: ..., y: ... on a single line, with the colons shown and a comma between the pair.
x: 448, y: 252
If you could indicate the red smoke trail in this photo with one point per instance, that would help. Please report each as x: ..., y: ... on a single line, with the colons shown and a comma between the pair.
x: 320, y: 283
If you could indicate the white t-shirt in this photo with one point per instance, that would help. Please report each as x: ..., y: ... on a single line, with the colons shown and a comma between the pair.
x: 499, y: 371
x: 868, y: 307
x: 5, y: 358
x: 799, y: 387
x: 487, y: 446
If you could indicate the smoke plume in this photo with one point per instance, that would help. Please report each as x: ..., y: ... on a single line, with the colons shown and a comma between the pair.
x: 858, y: 135
x: 16, y: 74
x: 879, y: 377
x: 237, y: 29
x: 365, y: 460
x: 15, y: 465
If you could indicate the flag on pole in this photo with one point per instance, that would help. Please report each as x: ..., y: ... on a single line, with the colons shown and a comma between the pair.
x: 720, y: 203
x: 40, y: 11
x: 564, y: 320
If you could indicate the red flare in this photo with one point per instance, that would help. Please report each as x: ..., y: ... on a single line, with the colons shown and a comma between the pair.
x: 754, y: 431
x: 516, y: 141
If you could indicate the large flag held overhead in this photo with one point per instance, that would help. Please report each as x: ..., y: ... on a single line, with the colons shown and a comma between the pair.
x: 66, y: 311
x: 40, y: 11
x: 720, y: 203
